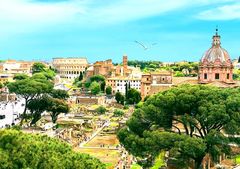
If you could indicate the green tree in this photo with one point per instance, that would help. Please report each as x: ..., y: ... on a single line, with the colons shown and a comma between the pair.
x: 38, y: 67
x: 95, y: 88
x: 37, y: 107
x: 30, y: 89
x: 41, y: 68
x: 21, y: 150
x: 119, y: 98
x: 134, y: 96
x: 56, y: 107
x: 97, y: 78
x: 80, y: 78
x: 102, y: 86
x: 101, y: 110
x: 20, y: 76
x: 1, y: 85
x: 118, y: 112
x: 206, y: 114
x: 59, y: 94
x: 108, y: 90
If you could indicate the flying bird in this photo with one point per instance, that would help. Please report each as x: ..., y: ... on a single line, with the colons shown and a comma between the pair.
x: 144, y: 46
x: 141, y: 44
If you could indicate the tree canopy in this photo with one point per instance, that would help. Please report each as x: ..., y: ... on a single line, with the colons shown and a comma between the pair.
x: 133, y: 96
x: 20, y: 150
x: 59, y: 94
x: 95, y: 88
x: 39, y: 67
x: 108, y: 90
x: 30, y: 88
x: 189, y: 121
x: 119, y: 98
x: 55, y: 107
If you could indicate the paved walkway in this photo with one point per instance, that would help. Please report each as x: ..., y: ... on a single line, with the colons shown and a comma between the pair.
x: 102, y: 148
x: 94, y: 135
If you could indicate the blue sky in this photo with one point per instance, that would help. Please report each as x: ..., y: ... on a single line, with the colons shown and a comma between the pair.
x: 103, y: 29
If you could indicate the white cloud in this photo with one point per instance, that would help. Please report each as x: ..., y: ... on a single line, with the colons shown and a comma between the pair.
x: 29, y: 15
x: 226, y: 12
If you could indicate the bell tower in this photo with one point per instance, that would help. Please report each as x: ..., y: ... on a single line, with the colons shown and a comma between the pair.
x: 125, y: 64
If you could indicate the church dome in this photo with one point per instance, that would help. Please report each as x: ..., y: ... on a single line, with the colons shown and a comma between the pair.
x: 216, y: 52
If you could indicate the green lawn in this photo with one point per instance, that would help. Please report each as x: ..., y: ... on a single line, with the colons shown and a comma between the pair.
x: 238, y: 159
x: 159, y: 162
x: 136, y: 166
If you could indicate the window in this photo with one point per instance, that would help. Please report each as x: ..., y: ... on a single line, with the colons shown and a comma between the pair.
x: 216, y: 75
x: 228, y: 76
x: 205, y: 75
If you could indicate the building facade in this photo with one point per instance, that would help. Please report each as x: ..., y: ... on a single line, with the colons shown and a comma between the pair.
x: 15, y: 67
x: 70, y: 68
x: 216, y: 65
x: 118, y: 84
x: 152, y: 83
x: 107, y: 69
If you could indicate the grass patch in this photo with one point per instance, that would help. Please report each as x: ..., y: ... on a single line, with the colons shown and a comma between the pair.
x: 159, y: 161
x: 109, y: 165
x: 136, y: 166
x: 237, y: 159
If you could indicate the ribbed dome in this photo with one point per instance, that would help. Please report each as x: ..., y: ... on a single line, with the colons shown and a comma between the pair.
x: 216, y: 52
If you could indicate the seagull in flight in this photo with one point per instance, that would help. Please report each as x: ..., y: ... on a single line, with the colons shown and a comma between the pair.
x: 141, y: 44
x: 144, y: 46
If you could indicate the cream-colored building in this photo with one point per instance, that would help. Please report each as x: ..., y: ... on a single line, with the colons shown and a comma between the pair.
x: 15, y: 67
x: 70, y: 68
x: 118, y: 84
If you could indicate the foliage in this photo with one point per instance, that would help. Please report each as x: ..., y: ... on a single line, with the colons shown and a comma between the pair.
x: 41, y: 68
x: 1, y: 85
x: 133, y: 96
x: 97, y: 78
x: 203, y: 111
x: 38, y: 67
x: 20, y: 150
x: 30, y: 88
x: 20, y: 76
x: 119, y: 98
x: 59, y: 94
x: 95, y: 88
x: 125, y: 107
x: 108, y: 90
x: 101, y: 110
x: 56, y: 106
x: 144, y: 64
x: 80, y: 78
x: 102, y: 86
x: 118, y: 113
x: 179, y: 74
x: 87, y: 84
x: 37, y: 107
x: 236, y: 74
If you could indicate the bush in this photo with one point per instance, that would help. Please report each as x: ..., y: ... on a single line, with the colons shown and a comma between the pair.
x: 101, y: 110
x: 118, y: 113
x: 21, y: 150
